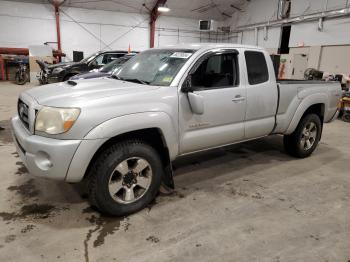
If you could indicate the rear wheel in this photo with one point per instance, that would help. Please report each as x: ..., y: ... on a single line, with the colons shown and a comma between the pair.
x: 125, y: 178
x: 304, y: 140
x: 346, y: 117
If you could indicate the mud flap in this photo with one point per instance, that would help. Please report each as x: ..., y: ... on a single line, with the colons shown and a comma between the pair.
x: 167, y: 187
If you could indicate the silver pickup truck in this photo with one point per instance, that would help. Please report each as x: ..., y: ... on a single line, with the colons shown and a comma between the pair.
x: 120, y: 134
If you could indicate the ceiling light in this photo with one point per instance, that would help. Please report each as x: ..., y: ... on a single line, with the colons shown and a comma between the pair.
x: 163, y: 8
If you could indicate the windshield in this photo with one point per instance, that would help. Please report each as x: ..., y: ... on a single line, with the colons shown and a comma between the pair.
x: 109, y: 68
x: 154, y: 67
x: 89, y: 58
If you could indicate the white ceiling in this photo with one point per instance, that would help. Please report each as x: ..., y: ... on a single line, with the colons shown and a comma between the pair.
x: 197, y: 9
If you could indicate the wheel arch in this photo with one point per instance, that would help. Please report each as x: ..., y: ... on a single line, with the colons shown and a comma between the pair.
x: 313, y: 104
x: 155, y: 128
x: 151, y: 136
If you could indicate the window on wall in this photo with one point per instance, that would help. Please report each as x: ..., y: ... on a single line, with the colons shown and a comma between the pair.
x: 256, y: 67
x: 217, y: 71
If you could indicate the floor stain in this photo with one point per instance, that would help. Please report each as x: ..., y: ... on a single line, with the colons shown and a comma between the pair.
x: 27, y: 228
x: 257, y: 195
x: 238, y: 193
x: 33, y: 211
x: 88, y: 210
x: 21, y: 168
x: 153, y: 239
x: 15, y: 154
x: 315, y: 237
x: 10, y: 238
x: 295, y: 208
x: 26, y: 190
x: 104, y: 226
x: 5, y: 135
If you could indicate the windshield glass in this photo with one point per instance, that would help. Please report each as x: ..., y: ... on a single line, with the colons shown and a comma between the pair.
x: 109, y: 68
x: 154, y: 67
x: 89, y: 58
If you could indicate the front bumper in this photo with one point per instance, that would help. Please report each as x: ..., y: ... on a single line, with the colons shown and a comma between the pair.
x: 51, y: 158
x: 43, y: 157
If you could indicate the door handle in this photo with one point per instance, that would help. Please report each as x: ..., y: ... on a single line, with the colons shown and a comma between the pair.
x: 238, y: 98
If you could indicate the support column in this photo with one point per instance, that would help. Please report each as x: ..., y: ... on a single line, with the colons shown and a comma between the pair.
x: 58, y: 28
x: 153, y: 18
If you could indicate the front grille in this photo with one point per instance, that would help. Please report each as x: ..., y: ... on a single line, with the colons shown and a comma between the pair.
x: 23, y: 112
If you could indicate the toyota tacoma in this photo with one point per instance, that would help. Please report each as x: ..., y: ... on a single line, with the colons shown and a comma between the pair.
x: 121, y: 134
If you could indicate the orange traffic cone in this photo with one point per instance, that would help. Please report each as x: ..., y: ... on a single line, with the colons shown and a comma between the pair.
x: 129, y: 49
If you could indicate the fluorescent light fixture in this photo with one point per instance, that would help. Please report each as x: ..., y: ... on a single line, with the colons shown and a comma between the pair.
x: 163, y: 8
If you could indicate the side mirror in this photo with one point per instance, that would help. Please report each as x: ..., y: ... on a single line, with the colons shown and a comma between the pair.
x: 93, y: 64
x: 196, y: 103
x: 187, y: 85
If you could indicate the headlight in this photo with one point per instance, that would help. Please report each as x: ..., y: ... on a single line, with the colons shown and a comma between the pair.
x: 57, y: 70
x: 53, y: 121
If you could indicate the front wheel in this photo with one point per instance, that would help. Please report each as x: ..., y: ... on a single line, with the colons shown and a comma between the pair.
x: 21, y: 78
x: 304, y: 140
x: 125, y: 178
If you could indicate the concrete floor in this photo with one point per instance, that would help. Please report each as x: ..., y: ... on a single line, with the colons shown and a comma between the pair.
x: 249, y: 202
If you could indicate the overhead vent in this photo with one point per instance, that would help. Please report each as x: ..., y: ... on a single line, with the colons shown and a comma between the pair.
x: 208, y: 25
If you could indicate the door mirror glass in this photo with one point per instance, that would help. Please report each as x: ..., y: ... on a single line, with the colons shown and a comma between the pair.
x: 93, y: 64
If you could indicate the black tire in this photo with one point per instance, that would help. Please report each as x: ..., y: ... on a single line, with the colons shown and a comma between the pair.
x: 292, y: 142
x: 102, y: 170
x: 346, y: 117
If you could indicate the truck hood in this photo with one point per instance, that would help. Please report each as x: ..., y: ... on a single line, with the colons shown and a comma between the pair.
x: 84, y: 91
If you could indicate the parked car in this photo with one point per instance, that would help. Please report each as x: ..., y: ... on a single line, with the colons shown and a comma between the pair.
x: 63, y: 71
x: 121, y: 134
x: 106, y: 70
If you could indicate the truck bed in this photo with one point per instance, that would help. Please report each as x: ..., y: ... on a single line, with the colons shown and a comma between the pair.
x: 293, y: 92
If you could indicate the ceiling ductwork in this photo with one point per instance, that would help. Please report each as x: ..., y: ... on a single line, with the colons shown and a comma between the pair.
x: 283, y: 9
x: 345, y: 12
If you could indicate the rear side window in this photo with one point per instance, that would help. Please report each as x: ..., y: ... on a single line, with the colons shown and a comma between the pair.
x: 256, y: 67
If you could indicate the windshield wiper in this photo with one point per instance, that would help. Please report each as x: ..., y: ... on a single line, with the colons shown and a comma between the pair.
x: 135, y: 80
x: 116, y: 77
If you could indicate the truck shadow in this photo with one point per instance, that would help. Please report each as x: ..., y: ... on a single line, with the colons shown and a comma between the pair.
x: 231, y: 162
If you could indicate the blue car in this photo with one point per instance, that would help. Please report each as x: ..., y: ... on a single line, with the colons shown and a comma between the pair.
x: 106, y: 70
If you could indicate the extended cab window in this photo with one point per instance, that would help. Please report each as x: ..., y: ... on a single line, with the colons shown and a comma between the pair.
x: 217, y: 71
x: 256, y: 67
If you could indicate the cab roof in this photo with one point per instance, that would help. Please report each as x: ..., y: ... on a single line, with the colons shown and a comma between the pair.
x: 204, y: 46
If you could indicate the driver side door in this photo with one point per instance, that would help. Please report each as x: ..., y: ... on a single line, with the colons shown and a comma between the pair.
x: 215, y: 83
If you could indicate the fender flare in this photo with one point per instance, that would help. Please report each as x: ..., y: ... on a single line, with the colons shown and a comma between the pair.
x: 119, y: 126
x: 306, y: 103
x: 138, y: 121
